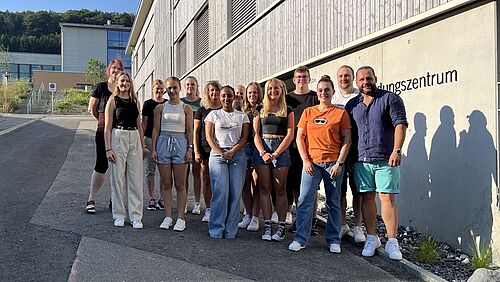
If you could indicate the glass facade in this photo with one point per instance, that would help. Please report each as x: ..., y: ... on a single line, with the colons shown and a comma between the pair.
x: 117, y: 43
x: 25, y: 71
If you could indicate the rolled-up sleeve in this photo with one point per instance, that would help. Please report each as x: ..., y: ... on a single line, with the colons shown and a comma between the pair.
x: 397, y: 110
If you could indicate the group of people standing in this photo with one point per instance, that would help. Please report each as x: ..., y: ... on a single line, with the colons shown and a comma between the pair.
x: 264, y: 146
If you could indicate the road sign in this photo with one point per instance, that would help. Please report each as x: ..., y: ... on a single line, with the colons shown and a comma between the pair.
x: 52, y: 87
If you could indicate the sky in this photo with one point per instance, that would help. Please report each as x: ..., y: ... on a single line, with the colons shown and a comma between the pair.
x: 129, y: 6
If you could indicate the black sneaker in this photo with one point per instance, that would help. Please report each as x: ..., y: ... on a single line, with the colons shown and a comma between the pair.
x: 160, y: 205
x: 280, y: 233
x: 151, y: 205
x: 268, y: 229
x: 314, y: 228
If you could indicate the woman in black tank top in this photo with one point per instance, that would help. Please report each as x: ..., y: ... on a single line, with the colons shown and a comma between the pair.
x: 125, y: 150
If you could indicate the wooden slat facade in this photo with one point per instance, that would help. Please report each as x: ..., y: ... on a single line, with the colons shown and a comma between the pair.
x: 291, y: 33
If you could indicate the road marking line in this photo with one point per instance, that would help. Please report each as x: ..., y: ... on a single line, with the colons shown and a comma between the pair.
x: 8, y: 130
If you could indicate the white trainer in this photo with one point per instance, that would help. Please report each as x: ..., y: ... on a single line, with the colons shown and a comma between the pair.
x: 295, y: 246
x: 359, y: 234
x: 206, y: 217
x: 335, y: 248
x: 245, y: 222
x: 274, y: 217
x: 119, y: 222
x: 344, y: 230
x: 196, y: 209
x: 392, y: 248
x: 180, y: 225
x: 371, y: 244
x: 166, y: 223
x: 137, y: 224
x: 254, y: 224
x: 288, y: 219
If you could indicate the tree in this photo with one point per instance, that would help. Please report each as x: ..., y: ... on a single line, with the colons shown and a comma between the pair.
x: 95, y: 72
x: 5, y: 59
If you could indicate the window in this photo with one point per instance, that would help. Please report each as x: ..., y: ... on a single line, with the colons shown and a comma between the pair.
x: 181, y: 56
x: 117, y: 43
x: 242, y: 12
x: 202, y: 35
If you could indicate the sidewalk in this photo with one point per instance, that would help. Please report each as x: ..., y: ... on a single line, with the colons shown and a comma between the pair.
x: 108, y: 253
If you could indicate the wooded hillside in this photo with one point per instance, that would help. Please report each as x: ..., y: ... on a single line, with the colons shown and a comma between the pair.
x: 39, y: 32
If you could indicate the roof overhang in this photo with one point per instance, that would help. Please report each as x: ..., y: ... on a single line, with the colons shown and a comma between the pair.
x: 140, y: 20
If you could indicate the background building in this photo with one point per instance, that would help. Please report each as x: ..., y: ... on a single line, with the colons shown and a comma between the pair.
x: 441, y: 57
x: 23, y: 65
x: 81, y: 42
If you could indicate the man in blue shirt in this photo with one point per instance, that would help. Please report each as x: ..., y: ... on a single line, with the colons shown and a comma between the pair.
x: 379, y: 123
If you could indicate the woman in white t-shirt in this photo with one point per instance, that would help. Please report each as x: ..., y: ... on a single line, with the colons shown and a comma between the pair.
x: 227, y: 133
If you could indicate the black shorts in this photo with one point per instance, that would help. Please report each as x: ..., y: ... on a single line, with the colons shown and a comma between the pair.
x: 348, y: 176
x: 101, y: 162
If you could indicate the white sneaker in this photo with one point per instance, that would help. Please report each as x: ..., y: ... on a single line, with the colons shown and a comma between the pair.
x: 274, y: 217
x: 343, y: 230
x: 392, y: 248
x: 196, y: 209
x: 167, y: 222
x: 137, y: 224
x: 254, y: 224
x: 245, y: 222
x: 186, y: 209
x: 295, y: 246
x: 359, y: 234
x: 335, y: 248
x: 180, y: 225
x: 206, y: 217
x: 371, y: 244
x: 288, y: 219
x: 119, y: 222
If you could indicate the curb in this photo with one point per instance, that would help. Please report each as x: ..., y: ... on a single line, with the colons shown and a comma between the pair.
x: 416, y: 270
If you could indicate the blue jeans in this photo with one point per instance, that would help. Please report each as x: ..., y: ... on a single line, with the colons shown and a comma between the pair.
x: 227, y: 179
x: 308, y: 189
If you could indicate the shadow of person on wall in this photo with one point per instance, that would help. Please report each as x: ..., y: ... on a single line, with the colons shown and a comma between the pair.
x: 414, y: 197
x: 443, y: 168
x: 477, y: 159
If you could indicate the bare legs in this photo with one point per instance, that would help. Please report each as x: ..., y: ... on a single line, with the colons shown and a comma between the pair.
x: 179, y: 172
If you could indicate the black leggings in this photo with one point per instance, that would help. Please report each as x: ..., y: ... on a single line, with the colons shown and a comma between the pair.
x: 294, y: 176
x: 101, y: 162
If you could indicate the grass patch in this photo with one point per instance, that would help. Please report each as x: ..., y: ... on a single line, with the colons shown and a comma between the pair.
x: 427, y: 250
x: 74, y: 102
x: 11, y: 94
x: 481, y: 257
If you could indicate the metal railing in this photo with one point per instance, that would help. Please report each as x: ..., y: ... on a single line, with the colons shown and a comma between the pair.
x: 34, y: 96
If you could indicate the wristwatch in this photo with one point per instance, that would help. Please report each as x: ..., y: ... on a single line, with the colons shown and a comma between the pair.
x: 190, y: 146
x: 398, y: 151
x: 340, y: 164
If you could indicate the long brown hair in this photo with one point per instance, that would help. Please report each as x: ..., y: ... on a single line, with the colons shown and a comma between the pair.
x: 247, y: 107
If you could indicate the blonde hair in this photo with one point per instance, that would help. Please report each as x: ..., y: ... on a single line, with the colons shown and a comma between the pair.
x: 197, y: 84
x: 156, y: 82
x: 247, y: 107
x: 266, y: 102
x: 205, y: 99
x: 131, y: 91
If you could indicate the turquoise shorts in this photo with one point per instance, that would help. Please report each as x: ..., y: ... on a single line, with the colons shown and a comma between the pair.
x: 376, y: 177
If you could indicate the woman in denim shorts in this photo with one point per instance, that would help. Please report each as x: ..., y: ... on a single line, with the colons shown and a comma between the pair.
x: 273, y: 134
x: 250, y: 195
x: 173, y: 150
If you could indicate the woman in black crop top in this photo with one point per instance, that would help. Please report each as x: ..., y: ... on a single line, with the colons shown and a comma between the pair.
x: 97, y: 103
x: 125, y: 149
x: 273, y: 134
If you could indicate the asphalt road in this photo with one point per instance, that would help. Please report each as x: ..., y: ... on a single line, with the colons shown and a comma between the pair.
x: 45, y: 234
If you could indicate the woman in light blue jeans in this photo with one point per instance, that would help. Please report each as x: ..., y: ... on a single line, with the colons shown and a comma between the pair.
x: 226, y: 132
x: 323, y: 140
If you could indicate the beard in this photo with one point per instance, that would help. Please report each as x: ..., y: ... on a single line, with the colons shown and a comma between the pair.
x: 369, y: 92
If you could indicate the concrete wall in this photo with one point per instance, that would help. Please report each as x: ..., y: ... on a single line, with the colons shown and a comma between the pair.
x: 449, y: 167
x: 64, y: 80
x: 79, y: 45
x: 35, y: 58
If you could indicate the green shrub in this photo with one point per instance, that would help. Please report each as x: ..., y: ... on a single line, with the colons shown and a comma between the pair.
x: 481, y: 257
x: 75, y: 101
x: 427, y: 250
x: 12, y: 93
